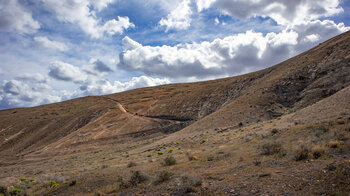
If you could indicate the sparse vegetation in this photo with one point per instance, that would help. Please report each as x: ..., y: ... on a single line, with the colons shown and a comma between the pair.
x: 160, y: 152
x: 193, y: 158
x: 317, y: 151
x: 274, y: 131
x: 271, y: 148
x: 171, y: 150
x: 163, y: 176
x: 137, y: 177
x: 301, y: 153
x: 169, y: 161
x: 3, y: 190
x: 335, y: 144
x: 52, y: 184
x: 15, y: 191
x: 203, y: 141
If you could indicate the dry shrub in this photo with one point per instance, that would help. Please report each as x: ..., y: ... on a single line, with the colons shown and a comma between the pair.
x: 317, y: 151
x: 271, y: 148
x: 301, y: 153
x: 163, y: 176
x: 335, y: 144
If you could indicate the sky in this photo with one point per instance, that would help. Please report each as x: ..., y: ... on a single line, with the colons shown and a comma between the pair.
x: 51, y: 50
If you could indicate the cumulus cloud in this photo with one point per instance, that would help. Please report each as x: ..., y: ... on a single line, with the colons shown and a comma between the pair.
x: 117, y: 26
x: 16, y: 93
x: 83, y: 14
x: 92, y: 82
x: 66, y: 72
x: 96, y: 86
x: 232, y: 55
x: 55, y: 45
x: 14, y: 17
x: 179, y: 18
x: 284, y: 12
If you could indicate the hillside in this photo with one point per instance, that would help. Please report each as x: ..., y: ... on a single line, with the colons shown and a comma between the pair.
x: 281, y: 130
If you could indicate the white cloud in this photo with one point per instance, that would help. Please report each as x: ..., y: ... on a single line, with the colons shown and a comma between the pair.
x: 92, y: 82
x: 38, y: 78
x: 66, y: 72
x: 98, y: 86
x: 117, y: 26
x: 221, y: 57
x: 100, y: 4
x: 55, y: 45
x: 14, y: 17
x: 284, y: 12
x: 83, y: 14
x: 15, y: 93
x: 232, y: 55
x: 179, y: 18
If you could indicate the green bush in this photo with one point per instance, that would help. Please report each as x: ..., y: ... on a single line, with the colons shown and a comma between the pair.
x: 171, y: 150
x: 15, y: 191
x: 160, y: 152
x: 169, y: 161
x: 52, y: 184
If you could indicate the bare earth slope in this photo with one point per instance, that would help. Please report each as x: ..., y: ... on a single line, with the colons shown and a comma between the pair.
x: 219, y: 131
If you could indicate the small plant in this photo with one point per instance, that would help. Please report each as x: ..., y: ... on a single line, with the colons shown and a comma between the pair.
x: 193, y: 158
x: 169, y: 161
x: 163, y: 176
x: 23, y: 179
x: 150, y: 155
x: 72, y: 183
x: 203, y: 141
x: 334, y: 144
x: 160, y: 152
x: 15, y: 191
x: 240, y: 124
x: 171, y: 150
x: 257, y: 162
x: 274, y: 131
x: 178, y: 143
x: 317, y: 151
x: 137, y: 177
x: 52, y: 184
x: 270, y: 148
x: 301, y: 154
x: 3, y: 190
x: 131, y: 164
x: 161, y: 147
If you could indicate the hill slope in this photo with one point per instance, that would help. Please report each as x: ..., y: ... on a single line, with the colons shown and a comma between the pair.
x: 222, y: 120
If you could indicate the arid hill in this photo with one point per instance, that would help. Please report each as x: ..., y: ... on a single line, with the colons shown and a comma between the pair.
x: 283, y: 130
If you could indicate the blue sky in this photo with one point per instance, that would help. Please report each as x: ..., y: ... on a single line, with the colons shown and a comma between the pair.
x: 53, y: 50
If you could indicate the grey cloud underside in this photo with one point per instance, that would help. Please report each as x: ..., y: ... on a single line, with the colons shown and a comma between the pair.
x: 101, y: 67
